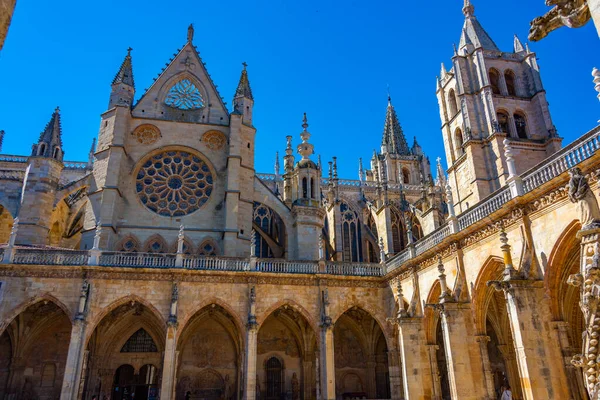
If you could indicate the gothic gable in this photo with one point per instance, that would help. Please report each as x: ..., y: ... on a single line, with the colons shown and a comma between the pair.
x: 183, y: 92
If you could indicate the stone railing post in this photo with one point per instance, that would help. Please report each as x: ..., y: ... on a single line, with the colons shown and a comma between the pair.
x: 515, y: 183
x: 452, y: 220
x: 95, y: 252
x: 179, y: 256
x: 9, y: 251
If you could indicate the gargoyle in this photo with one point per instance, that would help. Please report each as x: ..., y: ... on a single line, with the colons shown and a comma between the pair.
x: 570, y: 13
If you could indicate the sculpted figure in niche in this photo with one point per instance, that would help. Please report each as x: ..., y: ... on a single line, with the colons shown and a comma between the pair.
x: 580, y: 193
x: 295, y: 387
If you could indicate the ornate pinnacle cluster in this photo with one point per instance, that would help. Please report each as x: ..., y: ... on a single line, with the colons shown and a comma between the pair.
x: 51, y: 135
x: 125, y: 74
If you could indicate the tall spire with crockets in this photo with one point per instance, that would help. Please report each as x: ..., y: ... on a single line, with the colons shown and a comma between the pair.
x: 393, y: 140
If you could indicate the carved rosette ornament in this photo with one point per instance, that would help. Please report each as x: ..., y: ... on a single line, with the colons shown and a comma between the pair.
x: 589, y: 281
x: 147, y: 134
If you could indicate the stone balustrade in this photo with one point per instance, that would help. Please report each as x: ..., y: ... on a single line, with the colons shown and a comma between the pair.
x: 355, y: 269
x: 49, y: 256
x: 215, y: 263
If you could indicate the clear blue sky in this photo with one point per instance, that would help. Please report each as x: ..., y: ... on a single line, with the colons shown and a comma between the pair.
x: 331, y: 59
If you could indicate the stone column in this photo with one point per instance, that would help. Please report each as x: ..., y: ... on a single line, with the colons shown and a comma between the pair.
x: 574, y: 377
x: 327, y: 366
x: 75, y: 356
x: 432, y: 350
x: 483, y: 341
x: 537, y: 350
x: 307, y: 376
x: 251, y: 347
x: 416, y: 366
x: 465, y: 372
x: 167, y: 386
x: 395, y: 373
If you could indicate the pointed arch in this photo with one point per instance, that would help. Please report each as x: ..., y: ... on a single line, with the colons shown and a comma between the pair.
x: 377, y: 314
x: 452, y: 104
x: 128, y: 244
x: 482, y: 295
x: 399, y: 236
x: 431, y: 317
x: 494, y: 77
x: 270, y: 230
x: 511, y: 82
x: 98, y: 316
x: 195, y: 308
x: 208, y: 247
x: 293, y: 304
x: 458, y: 143
x: 351, y: 233
x: 155, y: 244
x: 31, y: 301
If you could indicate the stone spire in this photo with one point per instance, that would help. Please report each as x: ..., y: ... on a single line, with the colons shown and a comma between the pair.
x: 243, y: 88
x: 518, y: 46
x: 440, y: 179
x: 125, y: 74
x: 443, y: 71
x: 50, y: 141
x: 1, y: 139
x: 277, y: 168
x: 91, y: 153
x: 393, y: 140
x: 473, y: 33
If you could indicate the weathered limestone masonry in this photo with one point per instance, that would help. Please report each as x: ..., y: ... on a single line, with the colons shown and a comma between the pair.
x: 165, y: 267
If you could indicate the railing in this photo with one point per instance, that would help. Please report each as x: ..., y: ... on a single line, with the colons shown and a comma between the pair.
x: 76, y: 165
x: 50, y: 257
x: 215, y: 263
x: 13, y: 158
x: 287, y: 267
x: 562, y: 160
x: 12, y: 174
x: 398, y: 260
x: 486, y: 207
x: 144, y: 260
x: 354, y: 269
x: 433, y: 239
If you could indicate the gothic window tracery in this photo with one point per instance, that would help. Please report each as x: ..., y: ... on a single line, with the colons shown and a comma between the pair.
x: 398, y: 232
x: 271, y: 225
x: 139, y: 342
x: 417, y: 231
x: 458, y: 141
x: 174, y: 183
x: 207, y: 248
x: 129, y: 245
x: 184, y: 95
x: 155, y: 244
x: 351, y: 240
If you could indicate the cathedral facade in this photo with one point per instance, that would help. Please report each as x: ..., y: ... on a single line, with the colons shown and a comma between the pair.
x: 165, y: 266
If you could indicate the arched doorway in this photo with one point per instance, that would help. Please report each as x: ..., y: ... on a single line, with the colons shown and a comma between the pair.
x: 361, y: 357
x: 564, y: 261
x: 286, y: 356
x: 492, y: 321
x: 210, y: 356
x: 33, y: 353
x: 125, y: 352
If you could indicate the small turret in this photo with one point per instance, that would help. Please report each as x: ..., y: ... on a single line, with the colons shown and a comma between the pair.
x: 49, y: 144
x: 518, y: 46
x: 243, y: 101
x: 123, y: 87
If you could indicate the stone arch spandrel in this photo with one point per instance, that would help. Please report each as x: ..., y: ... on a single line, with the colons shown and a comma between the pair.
x: 376, y: 313
x: 491, y: 270
x: 312, y: 321
x: 97, y: 313
x: 187, y: 313
x: 11, y: 315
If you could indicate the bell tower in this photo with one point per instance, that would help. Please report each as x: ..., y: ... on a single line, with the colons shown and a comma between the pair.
x: 487, y: 96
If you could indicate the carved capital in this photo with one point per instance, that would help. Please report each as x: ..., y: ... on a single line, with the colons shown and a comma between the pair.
x: 500, y: 286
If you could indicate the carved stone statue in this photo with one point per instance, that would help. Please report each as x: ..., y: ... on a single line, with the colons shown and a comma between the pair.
x: 295, y: 387
x: 570, y: 13
x: 580, y: 193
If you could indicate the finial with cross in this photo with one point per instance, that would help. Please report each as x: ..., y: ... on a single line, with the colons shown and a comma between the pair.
x: 245, y: 65
x: 129, y: 51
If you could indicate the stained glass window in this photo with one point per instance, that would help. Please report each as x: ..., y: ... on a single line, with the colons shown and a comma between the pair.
x: 139, y: 342
x: 351, y: 250
x: 184, y: 95
x: 174, y: 183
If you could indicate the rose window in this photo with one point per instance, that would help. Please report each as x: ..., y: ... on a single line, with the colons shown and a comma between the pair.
x: 184, y: 95
x: 174, y: 183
